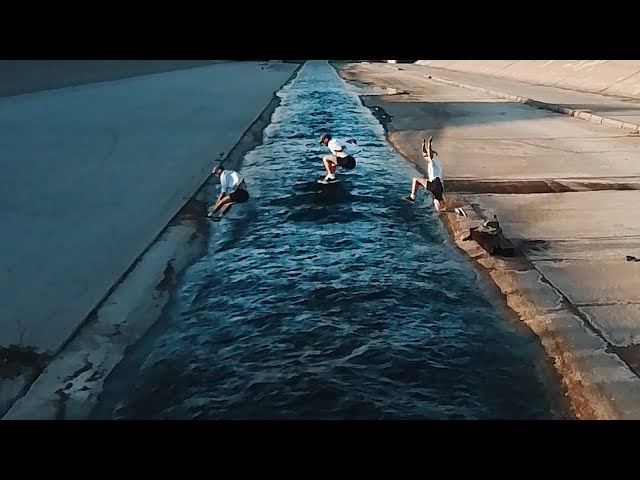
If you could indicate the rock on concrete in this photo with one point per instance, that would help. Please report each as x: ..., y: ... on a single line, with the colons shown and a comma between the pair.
x: 93, y: 173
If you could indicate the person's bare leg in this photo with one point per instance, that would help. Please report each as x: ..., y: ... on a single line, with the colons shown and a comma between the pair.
x: 219, y: 205
x: 415, y: 184
x: 223, y: 210
x: 330, y: 163
x: 226, y: 208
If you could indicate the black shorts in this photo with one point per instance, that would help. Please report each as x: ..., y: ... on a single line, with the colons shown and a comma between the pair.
x: 436, y: 189
x: 347, y: 162
x: 239, y: 196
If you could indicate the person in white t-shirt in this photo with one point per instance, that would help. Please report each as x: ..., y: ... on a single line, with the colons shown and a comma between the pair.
x: 233, y: 190
x: 433, y: 182
x: 341, y: 155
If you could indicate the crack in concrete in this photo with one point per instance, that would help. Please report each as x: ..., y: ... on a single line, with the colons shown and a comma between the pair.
x: 525, y: 187
x: 630, y: 355
x: 604, y: 304
x: 573, y: 308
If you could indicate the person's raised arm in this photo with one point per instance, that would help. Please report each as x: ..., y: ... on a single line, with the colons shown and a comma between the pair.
x: 427, y: 149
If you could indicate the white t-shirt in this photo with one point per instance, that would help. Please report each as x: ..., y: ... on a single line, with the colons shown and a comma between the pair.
x: 434, y: 169
x: 347, y: 148
x: 229, y: 181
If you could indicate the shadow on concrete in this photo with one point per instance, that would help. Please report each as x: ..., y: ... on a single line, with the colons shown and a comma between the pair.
x: 401, y: 115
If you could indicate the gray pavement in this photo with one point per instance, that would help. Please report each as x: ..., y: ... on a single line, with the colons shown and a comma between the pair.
x: 93, y: 173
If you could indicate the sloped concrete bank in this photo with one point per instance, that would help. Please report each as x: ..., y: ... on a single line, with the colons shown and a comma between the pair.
x: 67, y: 385
x: 569, y: 281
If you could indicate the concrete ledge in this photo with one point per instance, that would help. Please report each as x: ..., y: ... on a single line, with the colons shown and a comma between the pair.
x: 561, y: 109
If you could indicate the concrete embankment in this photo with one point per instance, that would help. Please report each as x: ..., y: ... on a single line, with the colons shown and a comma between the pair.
x: 604, y: 109
x: 608, y: 77
x: 563, y: 190
x: 93, y: 176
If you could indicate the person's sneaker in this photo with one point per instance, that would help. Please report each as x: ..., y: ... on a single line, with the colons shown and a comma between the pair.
x: 461, y: 212
x: 329, y: 178
x: 408, y: 198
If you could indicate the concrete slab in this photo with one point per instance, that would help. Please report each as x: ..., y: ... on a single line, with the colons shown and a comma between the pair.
x: 592, y: 282
x: 580, y: 341
x: 528, y: 284
x: 626, y: 395
x: 582, y: 240
x: 585, y: 249
x: 91, y: 174
x: 628, y: 86
x: 566, y: 216
x: 620, y: 324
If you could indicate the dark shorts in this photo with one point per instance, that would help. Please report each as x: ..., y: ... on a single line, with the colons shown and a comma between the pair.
x: 347, y: 162
x: 239, y: 196
x: 436, y: 189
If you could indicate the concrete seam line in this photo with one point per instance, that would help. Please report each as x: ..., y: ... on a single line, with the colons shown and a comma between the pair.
x: 612, y: 122
x: 630, y: 126
x: 558, y: 108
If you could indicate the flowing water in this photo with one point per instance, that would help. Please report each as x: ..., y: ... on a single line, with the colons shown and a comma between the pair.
x: 331, y: 301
